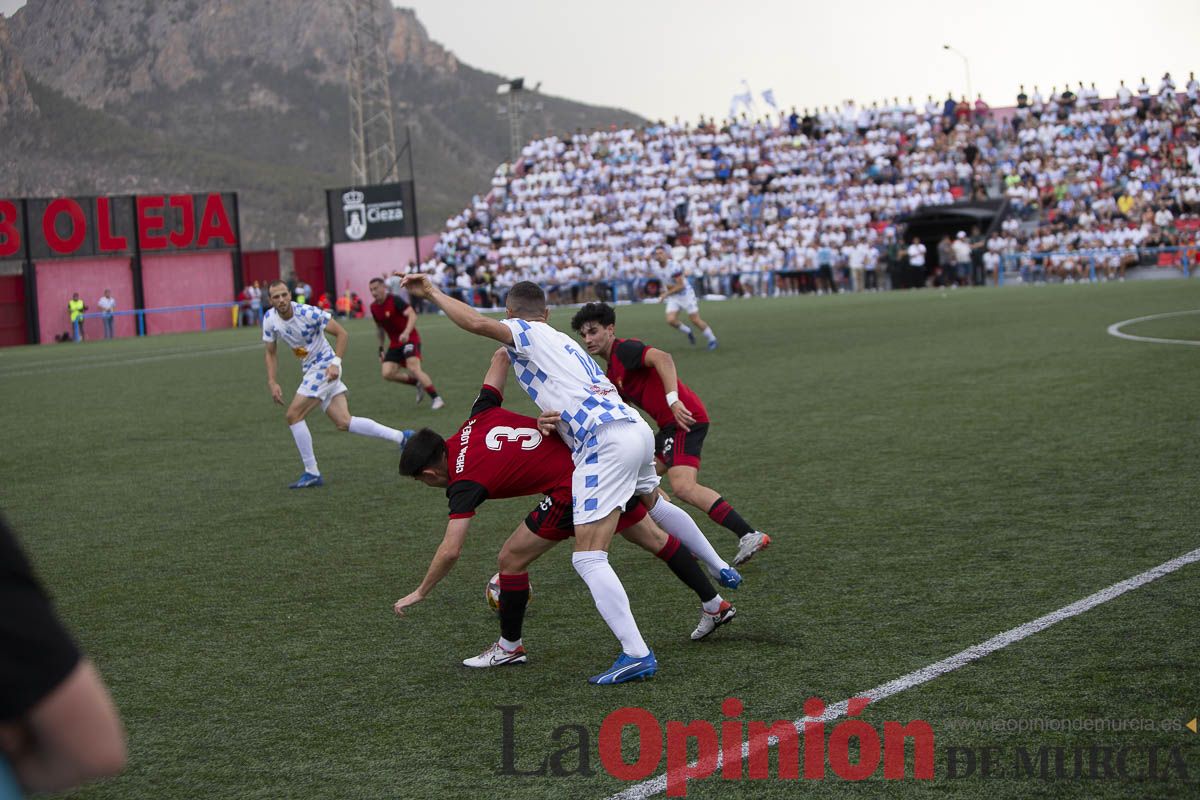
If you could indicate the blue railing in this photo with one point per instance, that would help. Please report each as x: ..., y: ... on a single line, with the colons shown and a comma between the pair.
x: 141, y: 314
x: 1011, y: 262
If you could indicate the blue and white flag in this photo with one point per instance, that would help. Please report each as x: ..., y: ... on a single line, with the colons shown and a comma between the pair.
x: 769, y: 98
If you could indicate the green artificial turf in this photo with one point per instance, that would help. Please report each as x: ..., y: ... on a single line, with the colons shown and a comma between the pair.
x: 934, y: 468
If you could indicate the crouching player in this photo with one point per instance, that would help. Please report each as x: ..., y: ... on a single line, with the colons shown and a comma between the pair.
x: 500, y: 454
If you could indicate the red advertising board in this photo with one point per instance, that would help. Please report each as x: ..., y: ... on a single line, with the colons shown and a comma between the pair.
x: 64, y: 227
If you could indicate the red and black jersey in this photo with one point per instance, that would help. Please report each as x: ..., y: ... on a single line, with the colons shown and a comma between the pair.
x: 500, y: 454
x: 390, y: 316
x: 642, y: 386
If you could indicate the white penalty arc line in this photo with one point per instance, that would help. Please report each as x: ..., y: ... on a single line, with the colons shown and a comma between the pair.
x: 160, y: 356
x: 925, y: 674
x: 1115, y: 329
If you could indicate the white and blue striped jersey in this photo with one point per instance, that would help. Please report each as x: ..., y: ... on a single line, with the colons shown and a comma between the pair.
x: 559, y: 376
x: 670, y: 274
x: 304, y: 333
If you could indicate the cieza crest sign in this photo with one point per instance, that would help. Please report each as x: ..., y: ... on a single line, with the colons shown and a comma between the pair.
x: 370, y: 212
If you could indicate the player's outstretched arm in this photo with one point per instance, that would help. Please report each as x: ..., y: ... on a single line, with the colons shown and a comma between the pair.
x: 272, y: 367
x: 664, y: 365
x: 497, y: 374
x: 443, y: 561
x: 461, y: 314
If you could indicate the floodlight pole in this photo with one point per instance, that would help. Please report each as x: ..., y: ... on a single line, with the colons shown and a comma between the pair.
x: 966, y: 67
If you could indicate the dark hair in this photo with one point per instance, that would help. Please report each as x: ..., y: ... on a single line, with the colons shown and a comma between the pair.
x: 276, y: 282
x: 374, y: 281
x: 423, y: 450
x: 594, y: 312
x: 526, y: 297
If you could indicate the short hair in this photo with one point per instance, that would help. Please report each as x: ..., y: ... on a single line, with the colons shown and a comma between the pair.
x: 276, y: 282
x: 594, y: 312
x: 374, y: 281
x: 423, y: 450
x: 526, y: 297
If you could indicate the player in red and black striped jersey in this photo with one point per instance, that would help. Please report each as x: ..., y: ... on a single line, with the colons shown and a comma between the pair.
x: 500, y: 454
x: 396, y: 321
x: 646, y: 377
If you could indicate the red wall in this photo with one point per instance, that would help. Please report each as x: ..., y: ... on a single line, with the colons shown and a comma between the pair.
x: 12, y: 310
x: 58, y: 279
x: 309, y: 266
x: 187, y: 279
x: 358, y: 262
x: 261, y: 266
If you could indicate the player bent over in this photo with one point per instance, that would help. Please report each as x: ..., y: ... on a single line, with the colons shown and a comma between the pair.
x: 611, y: 446
x: 646, y: 377
x: 396, y: 321
x: 678, y: 294
x: 499, y: 454
x: 302, y: 328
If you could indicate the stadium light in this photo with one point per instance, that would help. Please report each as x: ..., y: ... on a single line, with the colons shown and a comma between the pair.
x: 966, y: 66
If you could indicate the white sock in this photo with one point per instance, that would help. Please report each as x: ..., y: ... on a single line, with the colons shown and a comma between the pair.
x: 684, y: 329
x: 712, y: 606
x: 365, y: 426
x: 708, y: 334
x: 675, y: 521
x: 304, y: 444
x: 509, y: 646
x: 611, y: 600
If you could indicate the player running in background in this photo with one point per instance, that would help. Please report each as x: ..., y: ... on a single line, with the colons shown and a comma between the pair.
x: 646, y: 377
x: 396, y: 321
x: 679, y: 294
x: 611, y: 446
x: 302, y: 328
x: 499, y: 454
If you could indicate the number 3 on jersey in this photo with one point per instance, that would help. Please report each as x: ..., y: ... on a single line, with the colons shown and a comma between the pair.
x: 528, y: 437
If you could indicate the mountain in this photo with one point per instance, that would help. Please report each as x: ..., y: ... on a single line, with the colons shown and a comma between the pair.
x: 120, y: 96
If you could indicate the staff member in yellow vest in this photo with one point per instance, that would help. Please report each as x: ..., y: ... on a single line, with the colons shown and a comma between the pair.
x: 76, y: 308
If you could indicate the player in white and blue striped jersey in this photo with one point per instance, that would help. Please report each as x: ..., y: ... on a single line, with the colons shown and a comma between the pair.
x: 612, y: 446
x: 303, y: 328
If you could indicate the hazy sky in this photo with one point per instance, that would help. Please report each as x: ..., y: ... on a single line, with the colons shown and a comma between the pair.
x: 662, y: 58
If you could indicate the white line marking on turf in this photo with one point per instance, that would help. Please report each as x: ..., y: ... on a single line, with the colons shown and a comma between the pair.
x: 1115, y: 329
x: 159, y: 356
x: 653, y: 786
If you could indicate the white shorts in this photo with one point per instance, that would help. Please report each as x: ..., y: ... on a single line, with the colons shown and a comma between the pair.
x: 685, y: 302
x: 616, y: 464
x: 314, y: 384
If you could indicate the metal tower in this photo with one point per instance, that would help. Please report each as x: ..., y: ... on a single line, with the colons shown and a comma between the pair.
x: 373, y: 157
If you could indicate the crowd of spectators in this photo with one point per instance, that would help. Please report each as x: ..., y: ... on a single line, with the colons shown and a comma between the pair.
x: 828, y: 192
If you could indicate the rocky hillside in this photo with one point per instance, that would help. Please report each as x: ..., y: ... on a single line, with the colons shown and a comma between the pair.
x: 110, y: 96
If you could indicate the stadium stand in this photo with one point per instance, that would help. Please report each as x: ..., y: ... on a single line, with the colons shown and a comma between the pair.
x: 1078, y: 187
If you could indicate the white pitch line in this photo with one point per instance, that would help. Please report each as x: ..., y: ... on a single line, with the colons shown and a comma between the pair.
x: 161, y: 356
x: 653, y: 786
x: 1115, y: 329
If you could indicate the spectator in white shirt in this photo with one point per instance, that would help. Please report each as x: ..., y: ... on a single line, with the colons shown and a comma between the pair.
x: 107, y: 304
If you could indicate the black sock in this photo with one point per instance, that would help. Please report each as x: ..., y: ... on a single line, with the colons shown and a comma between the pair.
x: 432, y: 392
x: 723, y: 514
x: 514, y: 596
x: 687, y: 569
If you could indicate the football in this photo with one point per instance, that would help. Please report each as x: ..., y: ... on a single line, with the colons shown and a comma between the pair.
x: 492, y: 593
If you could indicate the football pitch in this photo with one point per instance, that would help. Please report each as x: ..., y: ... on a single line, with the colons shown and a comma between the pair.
x: 935, y: 469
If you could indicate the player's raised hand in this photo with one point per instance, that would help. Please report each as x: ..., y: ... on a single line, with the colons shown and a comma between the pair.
x: 418, y: 284
x: 683, y: 417
x: 548, y: 422
x: 276, y: 392
x: 406, y: 602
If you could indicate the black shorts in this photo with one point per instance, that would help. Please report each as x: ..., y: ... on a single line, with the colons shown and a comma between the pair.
x: 399, y: 355
x: 680, y: 451
x: 553, y: 520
